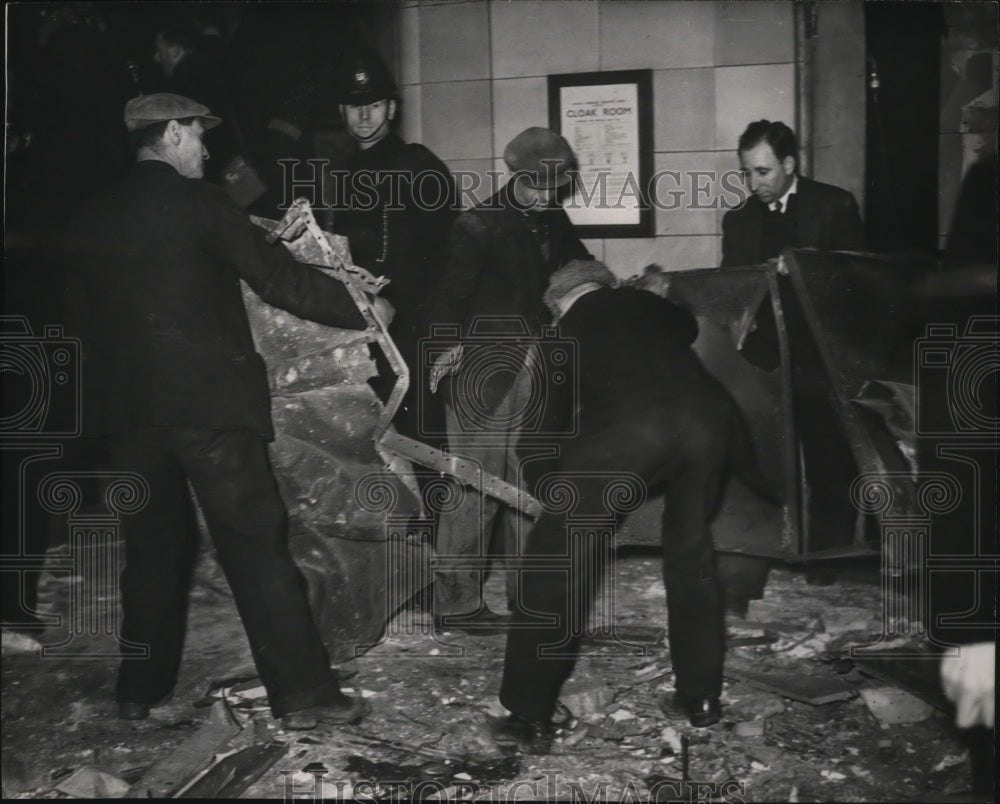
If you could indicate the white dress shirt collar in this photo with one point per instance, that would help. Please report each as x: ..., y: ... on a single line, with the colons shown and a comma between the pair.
x: 781, y: 205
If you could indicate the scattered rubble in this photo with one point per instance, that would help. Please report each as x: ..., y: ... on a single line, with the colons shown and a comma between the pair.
x: 431, y: 696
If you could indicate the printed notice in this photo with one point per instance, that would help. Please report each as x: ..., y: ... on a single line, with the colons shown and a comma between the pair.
x: 601, y: 124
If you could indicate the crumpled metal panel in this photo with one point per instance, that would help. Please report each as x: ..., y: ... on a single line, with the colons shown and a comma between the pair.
x: 860, y: 308
x: 324, y: 416
x: 849, y: 312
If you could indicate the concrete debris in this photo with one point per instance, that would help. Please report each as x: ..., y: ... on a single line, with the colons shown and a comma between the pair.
x: 950, y: 761
x: 628, y: 633
x: 621, y: 714
x: 90, y: 782
x: 749, y: 728
x: 587, y: 697
x: 13, y: 642
x: 893, y: 706
x: 847, y: 619
x: 650, y: 672
x: 574, y: 735
x: 746, y: 703
x: 671, y: 739
x: 767, y: 754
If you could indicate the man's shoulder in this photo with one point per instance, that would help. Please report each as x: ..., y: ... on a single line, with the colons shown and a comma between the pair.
x: 156, y: 183
x: 828, y: 193
x: 421, y: 157
x: 486, y: 211
x: 749, y: 210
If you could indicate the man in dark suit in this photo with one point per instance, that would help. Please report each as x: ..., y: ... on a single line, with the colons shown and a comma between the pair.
x: 785, y: 210
x: 173, y: 382
x: 500, y: 256
x: 647, y: 409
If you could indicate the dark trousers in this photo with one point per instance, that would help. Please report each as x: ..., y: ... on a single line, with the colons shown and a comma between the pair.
x: 231, y: 475
x: 683, y: 445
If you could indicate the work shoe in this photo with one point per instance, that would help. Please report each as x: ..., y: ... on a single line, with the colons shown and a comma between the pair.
x: 139, y: 710
x: 344, y: 711
x: 700, y: 712
x: 483, y: 622
x: 526, y: 736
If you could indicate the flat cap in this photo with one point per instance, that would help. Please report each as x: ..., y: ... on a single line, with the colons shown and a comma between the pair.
x: 147, y: 110
x: 365, y: 79
x: 541, y: 154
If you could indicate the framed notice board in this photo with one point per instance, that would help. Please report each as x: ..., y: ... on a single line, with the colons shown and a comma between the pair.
x: 607, y: 118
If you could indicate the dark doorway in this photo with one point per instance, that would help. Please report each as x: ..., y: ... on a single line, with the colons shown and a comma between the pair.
x: 903, y: 46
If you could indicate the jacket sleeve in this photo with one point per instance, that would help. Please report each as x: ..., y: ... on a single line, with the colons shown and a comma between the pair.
x: 273, y: 273
x: 734, y: 251
x: 571, y: 247
x: 468, y: 248
x: 848, y: 230
x: 680, y: 321
x: 434, y: 192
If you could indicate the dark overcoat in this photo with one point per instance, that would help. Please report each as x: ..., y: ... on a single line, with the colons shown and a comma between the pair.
x: 155, y: 265
x: 494, y: 281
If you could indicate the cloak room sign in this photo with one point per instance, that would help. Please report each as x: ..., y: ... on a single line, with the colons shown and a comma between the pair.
x: 607, y: 119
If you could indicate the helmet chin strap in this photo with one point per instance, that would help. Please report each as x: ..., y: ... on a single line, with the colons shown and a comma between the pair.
x: 376, y: 136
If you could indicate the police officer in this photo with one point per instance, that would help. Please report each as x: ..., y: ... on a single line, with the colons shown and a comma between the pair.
x: 394, y: 202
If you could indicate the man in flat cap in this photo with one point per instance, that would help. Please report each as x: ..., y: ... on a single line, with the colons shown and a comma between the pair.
x: 501, y: 255
x: 173, y: 383
x: 648, y: 413
x: 394, y: 201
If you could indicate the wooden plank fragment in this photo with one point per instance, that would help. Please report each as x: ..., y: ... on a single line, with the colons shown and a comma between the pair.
x: 196, y: 753
x: 796, y: 686
x: 232, y: 775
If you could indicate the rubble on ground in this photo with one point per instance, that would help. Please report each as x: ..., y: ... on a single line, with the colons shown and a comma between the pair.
x: 431, y: 695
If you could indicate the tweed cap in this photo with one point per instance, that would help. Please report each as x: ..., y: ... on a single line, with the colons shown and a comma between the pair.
x: 146, y: 110
x: 541, y: 154
x: 365, y: 79
x: 572, y: 275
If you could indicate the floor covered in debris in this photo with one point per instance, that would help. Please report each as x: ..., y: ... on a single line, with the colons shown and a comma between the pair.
x: 804, y: 718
